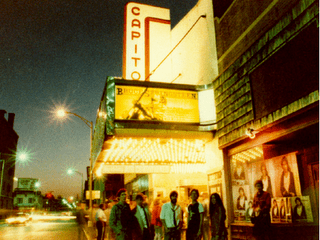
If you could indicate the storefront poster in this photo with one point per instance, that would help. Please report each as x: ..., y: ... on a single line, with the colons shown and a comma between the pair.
x: 240, y: 198
x: 301, y: 209
x: 281, y: 210
x: 280, y: 178
x: 279, y: 175
x: 249, y: 210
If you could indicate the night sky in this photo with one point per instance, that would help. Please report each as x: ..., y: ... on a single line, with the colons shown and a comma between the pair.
x: 57, y: 53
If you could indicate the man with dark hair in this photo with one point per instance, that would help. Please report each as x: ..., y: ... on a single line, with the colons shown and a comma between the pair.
x: 142, y: 220
x: 171, y: 218
x: 195, y: 217
x: 101, y: 220
x: 261, y: 205
x: 121, y: 217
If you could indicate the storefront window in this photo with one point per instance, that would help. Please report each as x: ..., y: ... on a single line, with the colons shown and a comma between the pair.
x: 280, y: 178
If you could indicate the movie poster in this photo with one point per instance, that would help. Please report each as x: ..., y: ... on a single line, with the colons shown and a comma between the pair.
x: 279, y: 175
x: 280, y: 178
x: 281, y: 210
x: 301, y: 209
x: 249, y: 210
x: 240, y: 198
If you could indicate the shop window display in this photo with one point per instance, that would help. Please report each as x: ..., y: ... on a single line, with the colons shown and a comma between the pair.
x: 280, y: 178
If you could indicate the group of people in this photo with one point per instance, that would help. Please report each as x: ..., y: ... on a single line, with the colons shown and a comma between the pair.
x: 164, y: 221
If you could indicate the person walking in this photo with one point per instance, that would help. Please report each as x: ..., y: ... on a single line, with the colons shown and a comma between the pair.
x: 155, y: 219
x: 261, y: 217
x: 101, y: 220
x: 217, y: 218
x: 121, y: 217
x: 195, y: 217
x: 171, y: 218
x: 142, y: 230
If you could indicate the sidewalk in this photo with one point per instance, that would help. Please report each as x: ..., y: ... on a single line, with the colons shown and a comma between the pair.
x: 90, y: 232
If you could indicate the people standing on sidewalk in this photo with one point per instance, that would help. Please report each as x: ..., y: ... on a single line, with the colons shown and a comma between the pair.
x: 217, y: 218
x: 261, y: 217
x: 171, y: 218
x: 80, y: 217
x: 195, y: 217
x: 101, y: 220
x: 155, y: 219
x: 206, y: 216
x: 141, y: 226
x: 121, y: 217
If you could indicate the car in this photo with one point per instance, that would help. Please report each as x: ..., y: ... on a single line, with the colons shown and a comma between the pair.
x: 19, y: 218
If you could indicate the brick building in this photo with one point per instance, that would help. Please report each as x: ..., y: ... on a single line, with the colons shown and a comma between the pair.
x: 267, y: 103
x: 8, y: 146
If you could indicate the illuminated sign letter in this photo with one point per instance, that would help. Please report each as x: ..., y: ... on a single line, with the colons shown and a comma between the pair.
x: 135, y: 11
x: 135, y: 76
x: 135, y: 23
x: 135, y: 35
x: 147, y: 28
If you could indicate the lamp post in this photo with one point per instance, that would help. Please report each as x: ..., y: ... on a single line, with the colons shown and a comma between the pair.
x: 62, y: 113
x: 2, y: 170
x: 70, y: 172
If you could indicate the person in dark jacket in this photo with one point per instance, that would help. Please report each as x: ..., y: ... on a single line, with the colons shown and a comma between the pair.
x: 121, y: 217
x: 195, y: 217
x: 141, y: 224
x: 217, y: 218
x: 261, y: 218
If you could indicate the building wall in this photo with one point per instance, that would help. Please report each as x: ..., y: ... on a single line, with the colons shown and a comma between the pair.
x: 268, y: 82
x: 28, y: 200
x: 195, y: 57
x: 8, y: 147
x: 234, y: 101
x: 243, y: 23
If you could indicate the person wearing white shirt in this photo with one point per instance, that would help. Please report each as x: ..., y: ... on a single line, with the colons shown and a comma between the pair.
x: 171, y: 218
x: 101, y: 220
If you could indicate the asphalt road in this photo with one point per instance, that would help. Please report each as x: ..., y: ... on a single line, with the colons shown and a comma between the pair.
x: 47, y: 230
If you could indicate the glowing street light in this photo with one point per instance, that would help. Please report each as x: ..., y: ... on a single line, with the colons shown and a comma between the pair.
x: 62, y: 113
x: 37, y: 184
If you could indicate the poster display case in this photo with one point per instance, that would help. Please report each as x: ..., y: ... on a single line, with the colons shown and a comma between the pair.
x: 280, y: 177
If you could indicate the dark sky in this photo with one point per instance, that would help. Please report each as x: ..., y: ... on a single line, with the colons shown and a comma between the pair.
x: 58, y: 53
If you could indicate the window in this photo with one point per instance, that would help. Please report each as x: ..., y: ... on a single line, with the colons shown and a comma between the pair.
x: 20, y: 200
x: 30, y: 200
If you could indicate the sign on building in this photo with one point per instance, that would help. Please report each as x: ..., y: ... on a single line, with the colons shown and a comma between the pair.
x: 27, y: 183
x: 146, y: 41
x: 156, y: 104
x: 95, y: 194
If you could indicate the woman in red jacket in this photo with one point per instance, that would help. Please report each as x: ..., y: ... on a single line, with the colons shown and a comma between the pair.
x: 155, y: 219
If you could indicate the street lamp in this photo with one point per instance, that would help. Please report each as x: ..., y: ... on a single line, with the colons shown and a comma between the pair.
x: 62, y: 113
x: 20, y: 156
x: 71, y: 172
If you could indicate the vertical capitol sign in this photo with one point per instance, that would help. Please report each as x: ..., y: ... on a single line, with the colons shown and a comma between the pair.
x: 146, y: 39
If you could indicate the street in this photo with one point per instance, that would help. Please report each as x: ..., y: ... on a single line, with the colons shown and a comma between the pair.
x: 59, y: 229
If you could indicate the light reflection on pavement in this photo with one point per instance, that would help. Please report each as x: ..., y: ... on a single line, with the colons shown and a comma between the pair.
x: 35, y: 230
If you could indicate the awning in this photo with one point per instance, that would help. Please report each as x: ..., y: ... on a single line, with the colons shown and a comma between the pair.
x: 153, y: 151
